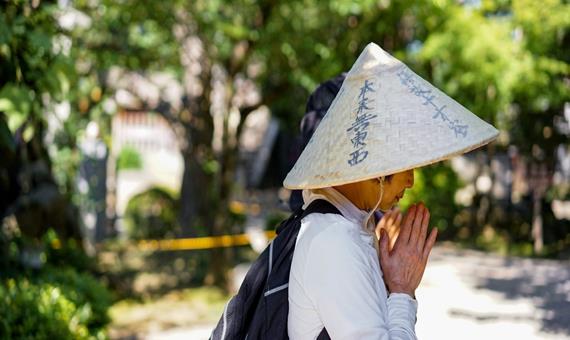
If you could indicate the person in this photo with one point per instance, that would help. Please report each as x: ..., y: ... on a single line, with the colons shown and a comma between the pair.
x: 352, y: 277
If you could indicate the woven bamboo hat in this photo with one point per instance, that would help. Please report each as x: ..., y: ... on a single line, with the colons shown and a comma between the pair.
x: 385, y: 119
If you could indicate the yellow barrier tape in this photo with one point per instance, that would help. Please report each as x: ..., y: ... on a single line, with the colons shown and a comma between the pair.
x: 199, y: 242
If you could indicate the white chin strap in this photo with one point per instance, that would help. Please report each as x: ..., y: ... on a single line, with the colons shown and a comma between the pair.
x: 376, y: 207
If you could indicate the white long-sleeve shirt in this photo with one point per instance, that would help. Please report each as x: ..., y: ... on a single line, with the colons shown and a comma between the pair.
x: 336, y: 281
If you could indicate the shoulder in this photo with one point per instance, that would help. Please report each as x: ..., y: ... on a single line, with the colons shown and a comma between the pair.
x: 332, y: 236
x: 321, y: 227
x: 332, y: 256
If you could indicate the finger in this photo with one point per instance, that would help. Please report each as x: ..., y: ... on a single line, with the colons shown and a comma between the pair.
x: 423, y: 231
x: 392, y: 218
x: 387, y: 222
x: 384, y: 243
x: 417, y: 225
x: 381, y: 225
x: 398, y: 220
x: 407, y: 226
x: 385, y: 217
x: 395, y: 227
x: 394, y: 234
x: 394, y: 238
x: 429, y: 243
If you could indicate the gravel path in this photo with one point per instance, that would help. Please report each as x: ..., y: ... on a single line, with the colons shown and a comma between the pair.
x: 473, y: 295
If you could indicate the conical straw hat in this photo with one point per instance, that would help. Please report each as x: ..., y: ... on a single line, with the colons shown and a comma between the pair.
x: 385, y: 119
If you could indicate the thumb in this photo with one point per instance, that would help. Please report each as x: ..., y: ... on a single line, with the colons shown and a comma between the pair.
x: 384, y: 242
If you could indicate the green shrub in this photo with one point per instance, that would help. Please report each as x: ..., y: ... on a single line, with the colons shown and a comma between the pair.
x: 129, y: 158
x: 435, y: 185
x: 152, y: 215
x: 39, y: 312
x: 84, y: 291
x: 61, y: 300
x: 56, y: 302
x: 7, y: 253
x: 68, y: 253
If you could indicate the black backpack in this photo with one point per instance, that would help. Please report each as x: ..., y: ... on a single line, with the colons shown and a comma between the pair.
x: 260, y: 308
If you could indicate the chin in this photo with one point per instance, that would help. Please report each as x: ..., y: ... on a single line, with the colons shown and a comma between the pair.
x: 392, y: 204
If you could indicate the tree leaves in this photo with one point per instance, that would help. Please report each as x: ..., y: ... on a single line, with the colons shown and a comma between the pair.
x: 6, y: 140
x: 16, y: 103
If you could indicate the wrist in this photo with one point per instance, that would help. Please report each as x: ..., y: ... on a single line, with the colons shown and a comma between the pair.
x: 411, y: 293
x: 408, y: 295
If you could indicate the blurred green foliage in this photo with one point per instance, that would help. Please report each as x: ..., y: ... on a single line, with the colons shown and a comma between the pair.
x: 39, y: 311
x: 66, y: 253
x: 61, y: 299
x: 435, y: 186
x: 84, y: 290
x: 129, y: 158
x: 236, y: 220
x: 152, y: 215
x: 273, y: 219
x: 31, y: 64
x: 58, y: 304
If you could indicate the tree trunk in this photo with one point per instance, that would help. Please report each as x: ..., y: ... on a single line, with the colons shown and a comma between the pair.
x: 196, y: 210
x: 540, y: 181
x: 537, y: 225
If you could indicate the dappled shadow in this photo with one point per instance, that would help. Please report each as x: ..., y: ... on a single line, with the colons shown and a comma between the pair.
x: 157, y: 291
x: 545, y: 282
x: 139, y: 275
x: 488, y: 317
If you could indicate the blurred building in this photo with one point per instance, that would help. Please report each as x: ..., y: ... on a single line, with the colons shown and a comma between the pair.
x: 161, y: 162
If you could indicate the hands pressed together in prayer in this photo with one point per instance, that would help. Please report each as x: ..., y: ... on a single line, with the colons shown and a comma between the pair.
x: 405, y: 247
x: 390, y: 223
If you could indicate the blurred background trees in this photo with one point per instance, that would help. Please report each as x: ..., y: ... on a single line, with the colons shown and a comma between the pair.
x: 69, y: 68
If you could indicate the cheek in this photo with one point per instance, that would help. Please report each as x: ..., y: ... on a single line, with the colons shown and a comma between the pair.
x: 395, y: 191
x: 390, y: 194
x: 374, y: 195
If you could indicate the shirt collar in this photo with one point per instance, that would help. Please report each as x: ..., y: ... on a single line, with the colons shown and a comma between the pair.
x: 343, y: 204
